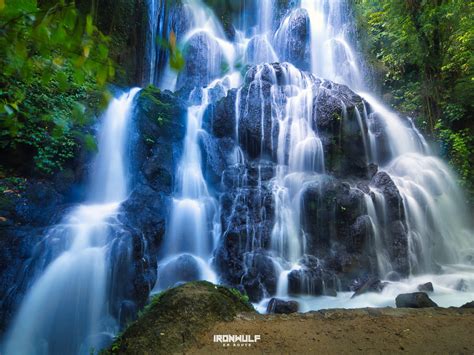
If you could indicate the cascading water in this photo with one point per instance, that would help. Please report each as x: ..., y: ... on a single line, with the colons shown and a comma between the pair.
x: 189, y: 241
x: 275, y: 223
x: 65, y: 311
x: 315, y: 36
x: 425, y: 183
x: 194, y: 226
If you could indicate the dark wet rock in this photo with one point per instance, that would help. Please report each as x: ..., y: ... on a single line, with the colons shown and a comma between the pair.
x: 393, y: 199
x: 360, y: 231
x: 184, y: 312
x: 331, y: 209
x: 199, y: 70
x: 255, y: 118
x: 217, y: 154
x: 426, y: 287
x: 221, y: 116
x: 34, y: 203
x: 279, y: 306
x: 461, y: 285
x: 372, y: 170
x: 393, y: 276
x: 394, y: 227
x: 371, y: 285
x: 184, y: 268
x: 414, y: 300
x: 270, y: 73
x: 128, y: 312
x: 468, y: 305
x: 312, y: 279
x: 294, y: 40
x: 155, y: 150
x: 260, y: 277
x: 338, y: 117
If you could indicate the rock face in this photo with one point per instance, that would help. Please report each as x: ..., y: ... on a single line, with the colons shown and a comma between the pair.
x: 414, y: 300
x: 175, y: 318
x: 334, y: 217
x: 277, y: 305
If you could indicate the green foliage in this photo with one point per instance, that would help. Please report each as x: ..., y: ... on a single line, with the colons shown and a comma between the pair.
x: 423, y: 53
x: 239, y: 295
x: 457, y: 146
x: 161, y: 111
x: 53, y: 59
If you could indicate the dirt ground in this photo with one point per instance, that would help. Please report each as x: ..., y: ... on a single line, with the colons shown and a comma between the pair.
x: 338, y: 331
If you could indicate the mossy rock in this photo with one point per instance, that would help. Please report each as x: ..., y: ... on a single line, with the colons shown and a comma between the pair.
x: 174, y: 319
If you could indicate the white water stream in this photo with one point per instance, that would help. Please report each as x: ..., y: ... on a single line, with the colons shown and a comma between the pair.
x: 65, y: 311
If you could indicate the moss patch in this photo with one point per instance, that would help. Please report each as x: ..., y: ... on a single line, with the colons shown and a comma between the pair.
x: 174, y: 319
x: 159, y: 106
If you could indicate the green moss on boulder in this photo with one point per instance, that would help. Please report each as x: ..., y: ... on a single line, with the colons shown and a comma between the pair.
x: 175, y: 318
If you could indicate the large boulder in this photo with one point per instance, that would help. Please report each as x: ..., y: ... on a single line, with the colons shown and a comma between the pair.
x: 260, y: 277
x: 175, y: 318
x: 394, y: 230
x: 279, y: 306
x: 183, y: 268
x: 331, y: 209
x: 414, y: 300
x: 338, y: 117
x: 293, y: 39
x: 203, y: 61
x: 256, y: 132
x: 426, y: 287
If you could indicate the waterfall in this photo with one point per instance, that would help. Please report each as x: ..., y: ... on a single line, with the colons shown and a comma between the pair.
x: 154, y: 7
x: 316, y: 37
x: 270, y: 218
x: 332, y: 57
x: 194, y: 226
x: 65, y: 310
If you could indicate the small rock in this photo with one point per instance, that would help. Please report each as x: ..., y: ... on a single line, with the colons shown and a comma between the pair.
x: 414, y: 300
x: 461, y: 285
x: 371, y: 285
x: 426, y: 287
x: 468, y: 305
x: 393, y: 276
x: 282, y: 307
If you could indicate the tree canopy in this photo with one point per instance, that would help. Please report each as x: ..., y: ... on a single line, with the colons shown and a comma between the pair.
x: 422, y: 51
x: 53, y: 57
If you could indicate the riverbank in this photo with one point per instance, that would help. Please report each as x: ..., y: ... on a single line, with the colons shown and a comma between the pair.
x: 368, y: 330
x: 202, y: 318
